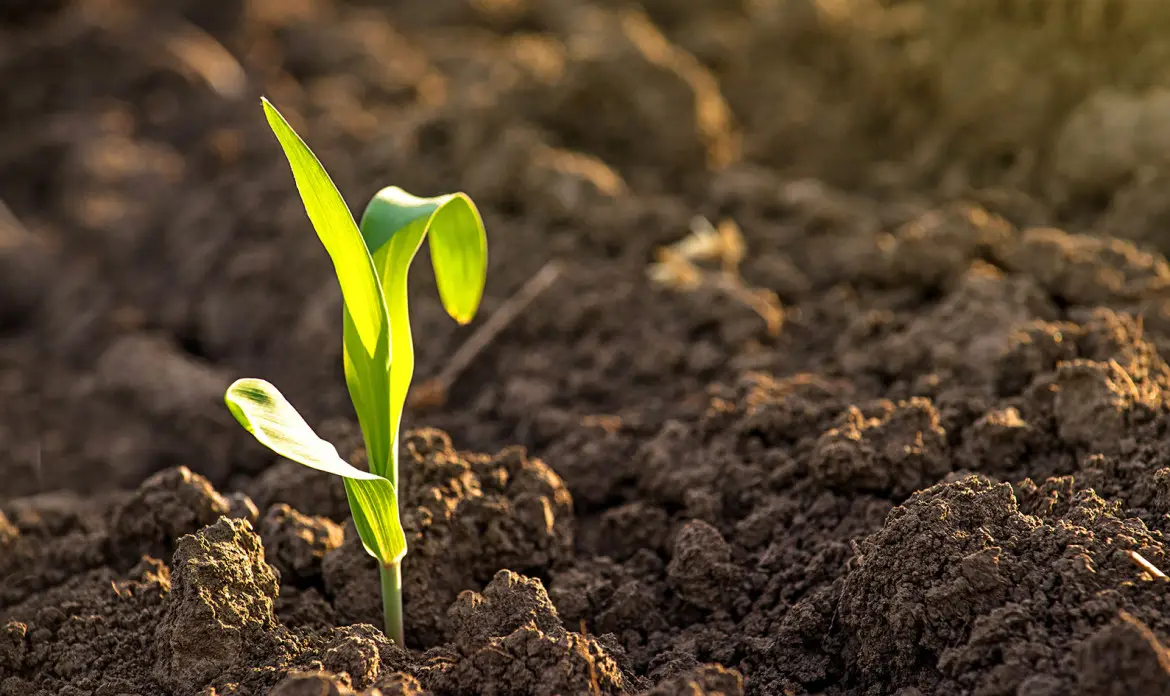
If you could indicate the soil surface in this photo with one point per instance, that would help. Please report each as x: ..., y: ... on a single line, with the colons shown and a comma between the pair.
x: 944, y: 468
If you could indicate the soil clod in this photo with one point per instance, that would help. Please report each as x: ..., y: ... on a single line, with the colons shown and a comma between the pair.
x: 221, y: 604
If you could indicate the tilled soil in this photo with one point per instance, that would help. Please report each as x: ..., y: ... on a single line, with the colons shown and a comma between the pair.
x: 948, y: 472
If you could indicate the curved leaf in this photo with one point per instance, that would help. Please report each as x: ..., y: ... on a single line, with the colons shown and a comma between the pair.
x: 263, y: 411
x: 393, y: 226
x: 457, y: 238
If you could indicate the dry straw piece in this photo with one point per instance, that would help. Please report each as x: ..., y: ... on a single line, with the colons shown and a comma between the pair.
x: 676, y: 268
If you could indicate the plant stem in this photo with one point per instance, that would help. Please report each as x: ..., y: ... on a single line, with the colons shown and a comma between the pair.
x: 392, y: 601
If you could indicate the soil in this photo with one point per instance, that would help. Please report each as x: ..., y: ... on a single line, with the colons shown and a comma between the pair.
x: 947, y: 473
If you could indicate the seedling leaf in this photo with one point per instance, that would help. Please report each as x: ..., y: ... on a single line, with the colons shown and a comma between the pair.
x: 335, y: 227
x: 374, y: 505
x: 457, y: 237
x: 393, y: 226
x: 366, y: 332
x: 263, y: 411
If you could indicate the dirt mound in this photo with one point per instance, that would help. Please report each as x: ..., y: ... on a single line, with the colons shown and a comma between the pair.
x: 209, y: 620
x: 957, y: 590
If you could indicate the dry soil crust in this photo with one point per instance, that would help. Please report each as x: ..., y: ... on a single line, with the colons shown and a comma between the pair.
x: 947, y: 475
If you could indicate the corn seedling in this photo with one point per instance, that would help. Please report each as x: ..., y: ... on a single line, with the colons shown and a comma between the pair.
x: 371, y: 261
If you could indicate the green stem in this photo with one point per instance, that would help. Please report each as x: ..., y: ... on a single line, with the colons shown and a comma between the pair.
x: 392, y: 601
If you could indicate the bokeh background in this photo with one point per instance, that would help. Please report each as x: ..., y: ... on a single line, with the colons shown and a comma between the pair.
x: 153, y: 246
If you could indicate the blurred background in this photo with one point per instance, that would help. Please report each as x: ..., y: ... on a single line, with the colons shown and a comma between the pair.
x: 152, y: 247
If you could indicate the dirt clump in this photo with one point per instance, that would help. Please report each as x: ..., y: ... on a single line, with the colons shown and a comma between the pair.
x: 221, y: 601
x: 168, y: 505
x: 700, y: 567
x: 323, y: 683
x: 956, y: 602
x: 92, y: 639
x: 896, y: 451
x: 466, y: 516
x: 296, y: 544
x: 513, y: 618
x: 708, y: 680
x: 1124, y: 657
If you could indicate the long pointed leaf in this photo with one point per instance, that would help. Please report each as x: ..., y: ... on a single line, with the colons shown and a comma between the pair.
x: 338, y: 232
x: 266, y: 413
x: 366, y: 328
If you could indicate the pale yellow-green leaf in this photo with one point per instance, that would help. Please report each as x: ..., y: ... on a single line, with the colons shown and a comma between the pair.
x: 456, y: 235
x: 266, y: 413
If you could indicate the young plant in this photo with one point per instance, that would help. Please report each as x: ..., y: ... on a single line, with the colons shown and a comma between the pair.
x: 371, y: 262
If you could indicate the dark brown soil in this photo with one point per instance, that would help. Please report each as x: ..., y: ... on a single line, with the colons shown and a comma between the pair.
x: 949, y: 473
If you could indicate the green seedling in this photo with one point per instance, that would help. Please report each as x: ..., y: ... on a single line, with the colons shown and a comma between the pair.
x: 371, y: 261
